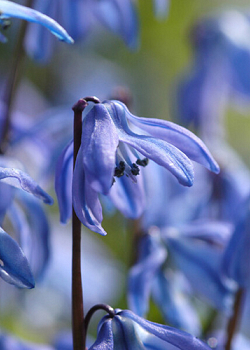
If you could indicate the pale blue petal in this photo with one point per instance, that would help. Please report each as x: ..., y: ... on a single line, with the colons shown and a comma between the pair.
x: 121, y: 18
x: 161, y: 8
x: 141, y: 276
x: 180, y: 339
x: 173, y: 304
x: 99, y: 144
x: 19, y: 179
x: 199, y: 261
x: 125, y: 335
x: 128, y: 197
x: 85, y: 200
x: 178, y: 136
x: 104, y: 339
x: 33, y: 230
x: 10, y: 9
x: 14, y: 267
x: 63, y: 182
x: 160, y: 151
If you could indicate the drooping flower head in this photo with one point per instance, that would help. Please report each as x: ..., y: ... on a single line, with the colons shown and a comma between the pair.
x: 125, y: 330
x: 112, y: 154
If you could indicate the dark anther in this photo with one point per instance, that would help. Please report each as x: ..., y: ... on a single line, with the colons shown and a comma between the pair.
x: 142, y: 162
x: 119, y: 170
x: 135, y: 169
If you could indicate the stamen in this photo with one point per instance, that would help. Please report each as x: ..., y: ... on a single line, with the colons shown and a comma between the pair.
x: 135, y: 169
x: 119, y: 170
x: 5, y: 24
x: 142, y: 162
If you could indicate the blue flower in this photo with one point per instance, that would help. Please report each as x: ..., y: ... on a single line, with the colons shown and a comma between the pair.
x: 110, y: 149
x: 8, y: 342
x: 196, y: 251
x: 78, y: 17
x: 15, y: 268
x: 127, y: 331
x: 9, y: 9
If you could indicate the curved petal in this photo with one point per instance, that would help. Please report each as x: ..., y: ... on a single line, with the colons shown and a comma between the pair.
x: 85, y: 200
x: 160, y: 151
x: 63, y: 182
x: 125, y: 335
x: 11, y: 9
x: 121, y: 18
x: 99, y: 144
x: 33, y: 229
x: 104, y: 339
x: 175, y: 307
x: 199, y: 261
x: 141, y: 275
x: 14, y: 267
x: 19, y: 179
x: 128, y: 197
x: 178, y: 136
x: 180, y: 339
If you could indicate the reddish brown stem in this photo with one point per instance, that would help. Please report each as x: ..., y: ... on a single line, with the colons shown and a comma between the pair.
x: 78, y: 326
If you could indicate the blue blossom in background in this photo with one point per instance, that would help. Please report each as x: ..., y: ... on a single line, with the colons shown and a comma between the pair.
x: 15, y: 268
x: 78, y: 18
x: 110, y: 150
x: 220, y: 73
x: 126, y: 330
x: 196, y: 251
x: 161, y: 8
x: 9, y: 9
x: 8, y: 342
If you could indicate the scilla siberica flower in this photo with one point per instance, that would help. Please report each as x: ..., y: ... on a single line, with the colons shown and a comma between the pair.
x: 125, y: 330
x: 79, y: 17
x: 110, y: 149
x: 9, y: 9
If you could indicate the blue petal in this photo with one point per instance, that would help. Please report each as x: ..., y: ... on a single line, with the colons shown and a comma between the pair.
x: 160, y: 151
x: 120, y: 17
x: 125, y: 335
x: 99, y: 144
x: 33, y: 230
x: 235, y: 263
x: 63, y: 182
x: 178, y: 136
x: 11, y: 9
x: 19, y: 179
x: 173, y: 304
x: 199, y: 262
x: 180, y: 339
x: 104, y: 339
x: 141, y: 275
x: 128, y: 197
x: 14, y: 267
x: 85, y: 200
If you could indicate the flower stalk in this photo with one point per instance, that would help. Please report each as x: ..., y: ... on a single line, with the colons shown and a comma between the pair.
x: 78, y: 328
x: 233, y: 321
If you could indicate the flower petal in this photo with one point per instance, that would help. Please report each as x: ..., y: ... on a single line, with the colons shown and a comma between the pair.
x: 14, y: 267
x: 99, y: 144
x: 125, y: 335
x: 104, y: 339
x: 160, y: 151
x: 141, y: 275
x: 11, y: 9
x: 63, y: 182
x: 19, y: 179
x: 128, y: 197
x: 178, y: 136
x: 180, y: 339
x: 85, y: 200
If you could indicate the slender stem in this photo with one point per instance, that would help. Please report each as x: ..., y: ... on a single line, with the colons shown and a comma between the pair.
x: 95, y: 308
x: 78, y: 328
x: 11, y: 83
x: 233, y: 321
